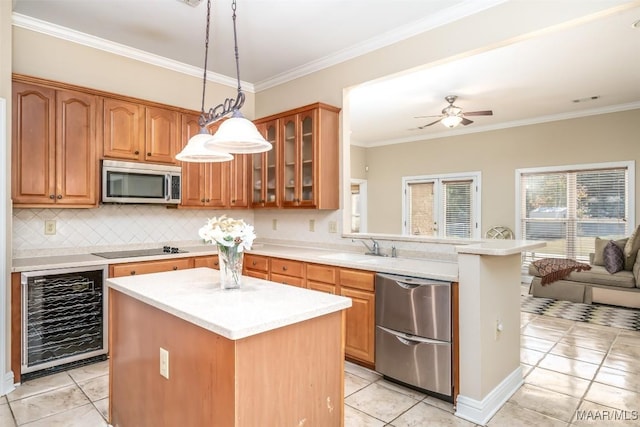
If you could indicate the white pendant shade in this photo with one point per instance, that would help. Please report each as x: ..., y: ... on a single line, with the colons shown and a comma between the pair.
x: 451, y: 121
x: 196, y: 151
x: 238, y: 135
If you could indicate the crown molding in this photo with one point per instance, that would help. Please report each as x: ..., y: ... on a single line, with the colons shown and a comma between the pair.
x: 506, y: 125
x: 436, y: 20
x: 73, y: 36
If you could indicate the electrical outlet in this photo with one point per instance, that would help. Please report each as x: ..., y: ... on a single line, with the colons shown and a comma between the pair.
x: 499, y: 328
x: 274, y: 224
x: 50, y: 226
x: 312, y: 225
x: 333, y: 227
x: 164, y: 363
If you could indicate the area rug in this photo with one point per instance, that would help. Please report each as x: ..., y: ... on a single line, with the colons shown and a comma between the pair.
x: 599, y: 314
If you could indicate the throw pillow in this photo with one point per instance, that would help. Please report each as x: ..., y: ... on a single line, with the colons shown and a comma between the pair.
x: 631, y: 249
x: 600, y: 244
x: 613, y: 257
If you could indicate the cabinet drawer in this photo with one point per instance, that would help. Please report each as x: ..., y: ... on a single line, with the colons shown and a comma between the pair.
x: 322, y: 273
x: 357, y: 279
x: 257, y: 274
x: 210, y: 261
x: 287, y: 267
x: 256, y: 262
x: 287, y: 280
x: 134, y: 268
x: 322, y: 287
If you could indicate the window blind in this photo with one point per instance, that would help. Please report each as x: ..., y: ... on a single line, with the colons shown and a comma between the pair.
x: 568, y: 209
x: 458, y: 208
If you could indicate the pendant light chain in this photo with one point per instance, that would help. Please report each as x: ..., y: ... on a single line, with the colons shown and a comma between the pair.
x: 202, y: 120
x: 235, y: 44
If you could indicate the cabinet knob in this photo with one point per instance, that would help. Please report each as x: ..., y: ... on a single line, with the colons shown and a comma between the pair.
x: 175, y: 267
x: 206, y: 200
x: 284, y: 268
x: 148, y: 154
x: 216, y: 263
x: 133, y: 272
x: 202, y: 200
x: 136, y: 152
x: 59, y: 196
x: 51, y: 196
x: 253, y: 263
x: 233, y: 201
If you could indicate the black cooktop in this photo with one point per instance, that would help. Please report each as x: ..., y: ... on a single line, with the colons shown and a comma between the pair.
x: 165, y: 250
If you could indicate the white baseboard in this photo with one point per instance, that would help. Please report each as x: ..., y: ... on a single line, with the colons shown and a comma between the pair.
x: 7, y: 385
x: 481, y: 411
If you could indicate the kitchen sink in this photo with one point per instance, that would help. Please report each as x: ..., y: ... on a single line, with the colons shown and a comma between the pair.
x: 347, y: 256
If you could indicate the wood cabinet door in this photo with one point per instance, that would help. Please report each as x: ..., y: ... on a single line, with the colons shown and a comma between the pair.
x: 76, y: 154
x: 216, y: 192
x: 360, y: 325
x: 265, y: 169
x: 193, y: 173
x: 239, y: 181
x: 161, y: 135
x: 289, y: 162
x: 307, y: 123
x: 210, y: 261
x: 123, y: 132
x: 33, y: 145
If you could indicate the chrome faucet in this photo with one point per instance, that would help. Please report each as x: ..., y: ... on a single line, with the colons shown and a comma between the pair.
x: 373, y: 249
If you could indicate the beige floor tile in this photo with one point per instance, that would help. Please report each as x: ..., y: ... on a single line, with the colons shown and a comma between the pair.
x: 618, y: 378
x: 622, y: 362
x: 547, y: 402
x: 579, y: 353
x: 416, y: 395
x: 42, y: 405
x: 87, y: 372
x: 586, y: 342
x: 380, y: 402
x: 355, y: 418
x: 533, y: 330
x: 525, y: 318
x: 553, y: 323
x: 96, y: 388
x: 590, y: 330
x: 629, y: 337
x: 82, y: 416
x: 353, y: 383
x: 592, y: 414
x: 613, y: 397
x: 6, y: 417
x: 530, y: 357
x: 562, y: 383
x: 511, y: 415
x: 623, y: 349
x: 439, y: 403
x: 569, y: 366
x: 525, y: 369
x: 423, y: 415
x: 361, y: 372
x: 40, y: 385
x: 103, y: 407
x: 534, y: 343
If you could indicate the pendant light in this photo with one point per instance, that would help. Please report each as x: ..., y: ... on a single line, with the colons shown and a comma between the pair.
x: 239, y: 135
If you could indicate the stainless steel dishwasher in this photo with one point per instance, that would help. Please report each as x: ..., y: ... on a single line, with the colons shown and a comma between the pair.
x: 413, y: 332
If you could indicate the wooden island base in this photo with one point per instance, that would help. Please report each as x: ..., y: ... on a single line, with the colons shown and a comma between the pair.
x: 290, y: 376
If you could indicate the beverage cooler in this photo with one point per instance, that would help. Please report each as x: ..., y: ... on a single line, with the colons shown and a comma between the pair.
x: 414, y: 333
x: 64, y: 317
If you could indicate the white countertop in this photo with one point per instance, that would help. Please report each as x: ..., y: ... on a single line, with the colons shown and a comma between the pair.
x: 499, y: 247
x: 195, y: 296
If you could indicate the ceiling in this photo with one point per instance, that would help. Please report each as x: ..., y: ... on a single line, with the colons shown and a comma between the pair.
x: 530, y: 81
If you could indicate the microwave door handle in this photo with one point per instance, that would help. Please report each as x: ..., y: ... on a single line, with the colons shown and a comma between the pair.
x: 167, y: 187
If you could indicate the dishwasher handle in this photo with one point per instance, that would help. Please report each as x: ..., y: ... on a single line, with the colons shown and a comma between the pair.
x: 408, y: 339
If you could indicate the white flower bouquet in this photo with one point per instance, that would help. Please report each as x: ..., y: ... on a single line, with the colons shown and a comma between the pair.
x: 232, y: 237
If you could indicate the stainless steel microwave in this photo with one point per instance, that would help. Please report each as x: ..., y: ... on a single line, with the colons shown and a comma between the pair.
x: 130, y: 182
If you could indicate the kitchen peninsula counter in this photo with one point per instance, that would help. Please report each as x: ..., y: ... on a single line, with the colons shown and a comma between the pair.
x: 264, y: 352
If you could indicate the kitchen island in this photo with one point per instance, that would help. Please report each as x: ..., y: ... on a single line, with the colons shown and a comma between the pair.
x: 266, y: 354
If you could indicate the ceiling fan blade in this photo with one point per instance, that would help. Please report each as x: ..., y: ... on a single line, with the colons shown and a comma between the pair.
x: 466, y: 121
x: 479, y: 113
x: 426, y: 117
x: 429, y: 124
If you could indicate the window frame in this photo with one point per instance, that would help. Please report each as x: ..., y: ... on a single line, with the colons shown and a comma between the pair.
x: 438, y: 179
x: 629, y: 165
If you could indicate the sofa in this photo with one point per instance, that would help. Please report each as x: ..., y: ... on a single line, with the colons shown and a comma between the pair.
x: 604, y: 283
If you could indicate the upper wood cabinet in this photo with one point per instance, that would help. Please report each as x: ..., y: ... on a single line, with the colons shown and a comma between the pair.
x: 142, y: 133
x: 308, y: 162
x: 54, y: 140
x: 213, y: 185
x: 265, y: 179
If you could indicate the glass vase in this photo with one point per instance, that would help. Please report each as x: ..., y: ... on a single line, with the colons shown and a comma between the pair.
x: 230, y: 261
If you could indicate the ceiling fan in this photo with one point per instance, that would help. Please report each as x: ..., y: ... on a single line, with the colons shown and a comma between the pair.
x: 452, y: 115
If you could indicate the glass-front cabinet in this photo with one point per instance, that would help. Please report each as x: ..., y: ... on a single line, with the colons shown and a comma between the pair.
x: 304, y: 164
x: 264, y: 169
x: 299, y: 142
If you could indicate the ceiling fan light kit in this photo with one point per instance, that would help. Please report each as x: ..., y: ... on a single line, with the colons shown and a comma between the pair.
x: 237, y: 134
x: 452, y: 115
